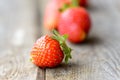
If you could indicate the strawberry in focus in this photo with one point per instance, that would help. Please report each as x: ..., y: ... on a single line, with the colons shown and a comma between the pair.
x: 49, y: 51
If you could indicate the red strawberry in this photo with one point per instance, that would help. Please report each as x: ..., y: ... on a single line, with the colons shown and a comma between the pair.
x: 49, y: 51
x: 76, y: 23
x: 52, y: 14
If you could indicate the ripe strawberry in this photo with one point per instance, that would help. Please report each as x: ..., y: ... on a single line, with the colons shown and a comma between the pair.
x: 52, y: 14
x: 49, y: 51
x: 76, y: 23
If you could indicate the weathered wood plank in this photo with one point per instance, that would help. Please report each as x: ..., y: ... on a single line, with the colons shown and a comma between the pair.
x: 97, y: 58
x: 17, y: 35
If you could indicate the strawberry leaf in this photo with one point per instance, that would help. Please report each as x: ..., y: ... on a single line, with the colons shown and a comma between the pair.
x: 75, y: 3
x: 64, y: 7
x: 61, y: 39
x: 65, y: 36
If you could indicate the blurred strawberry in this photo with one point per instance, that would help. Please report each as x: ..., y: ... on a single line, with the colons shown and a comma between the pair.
x: 81, y: 2
x: 52, y: 13
x: 51, y: 16
x: 75, y: 22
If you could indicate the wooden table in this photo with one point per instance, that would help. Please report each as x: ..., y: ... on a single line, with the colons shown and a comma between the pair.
x: 96, y: 59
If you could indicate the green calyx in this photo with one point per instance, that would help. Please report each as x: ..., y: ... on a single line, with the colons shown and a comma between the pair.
x: 64, y: 7
x: 61, y: 39
x: 74, y: 3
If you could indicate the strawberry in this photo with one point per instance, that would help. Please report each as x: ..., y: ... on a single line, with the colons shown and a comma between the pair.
x: 52, y: 14
x: 75, y: 22
x: 49, y: 51
x: 81, y: 2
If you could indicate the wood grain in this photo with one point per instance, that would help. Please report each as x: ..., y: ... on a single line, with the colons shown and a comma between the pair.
x: 17, y: 34
x: 97, y: 58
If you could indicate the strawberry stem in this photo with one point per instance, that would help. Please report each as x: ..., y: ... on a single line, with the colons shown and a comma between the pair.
x: 64, y: 7
x: 74, y: 3
x: 61, y: 39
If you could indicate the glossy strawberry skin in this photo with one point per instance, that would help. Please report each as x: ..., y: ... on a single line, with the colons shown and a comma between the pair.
x: 46, y: 52
x: 76, y: 23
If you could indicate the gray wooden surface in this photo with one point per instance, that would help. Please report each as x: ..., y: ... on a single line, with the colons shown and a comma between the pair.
x: 17, y: 35
x: 96, y: 59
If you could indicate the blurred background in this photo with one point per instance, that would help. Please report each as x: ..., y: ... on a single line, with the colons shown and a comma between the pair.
x: 21, y: 21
